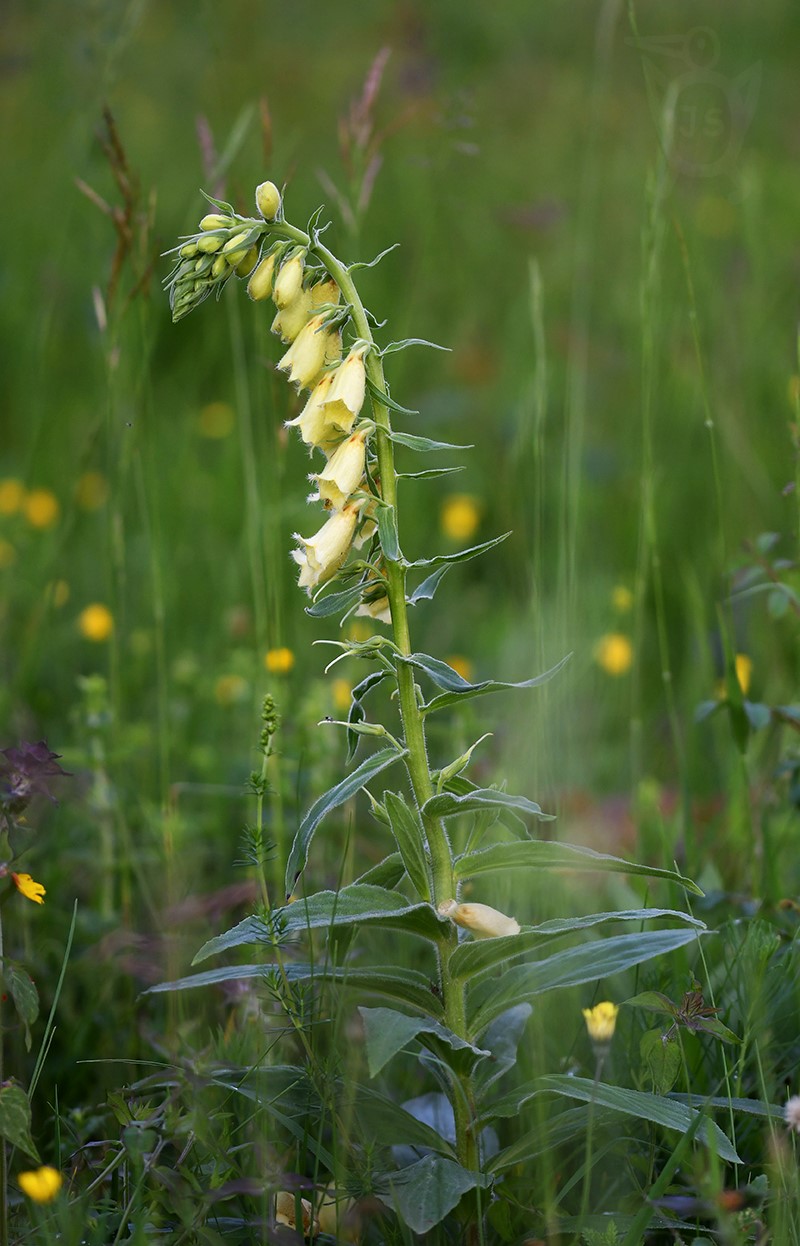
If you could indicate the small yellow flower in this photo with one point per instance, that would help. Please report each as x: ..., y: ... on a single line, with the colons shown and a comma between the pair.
x: 483, y: 921
x: 341, y: 690
x: 614, y: 653
x: 41, y: 508
x: 460, y: 516
x: 305, y: 358
x: 286, y: 1213
x: 622, y: 598
x: 268, y: 200
x: 91, y: 491
x: 346, y: 397
x: 744, y: 669
x: 601, y: 1021
x: 260, y: 284
x: 313, y: 422
x: 289, y: 281
x: 279, y: 661
x: 8, y: 555
x: 461, y: 665
x: 96, y: 622
x: 216, y: 420
x: 291, y: 320
x: 344, y: 471
x: 12, y: 496
x: 323, y: 554
x: 229, y: 689
x: 41, y: 1185
x: 29, y: 888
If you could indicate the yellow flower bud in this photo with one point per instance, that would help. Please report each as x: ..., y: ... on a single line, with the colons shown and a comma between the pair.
x: 323, y: 554
x: 215, y: 221
x: 211, y: 244
x: 305, y: 358
x: 219, y: 266
x: 344, y: 471
x: 289, y: 280
x: 601, y: 1021
x: 347, y: 392
x: 260, y: 284
x: 268, y: 200
x: 483, y: 921
x: 248, y: 263
x: 292, y: 319
x: 189, y: 251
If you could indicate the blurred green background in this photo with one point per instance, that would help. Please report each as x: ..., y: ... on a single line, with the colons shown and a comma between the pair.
x: 565, y: 257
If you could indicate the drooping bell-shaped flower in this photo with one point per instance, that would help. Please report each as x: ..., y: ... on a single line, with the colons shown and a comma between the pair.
x: 291, y: 320
x: 344, y: 470
x: 347, y: 393
x: 305, y: 358
x: 313, y: 422
x: 321, y: 555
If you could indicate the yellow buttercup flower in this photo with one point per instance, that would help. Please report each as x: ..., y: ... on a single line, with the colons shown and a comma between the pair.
x: 29, y: 888
x: 216, y: 420
x: 96, y: 622
x: 12, y: 496
x: 460, y: 516
x: 601, y: 1021
x: 41, y: 508
x: 614, y: 653
x: 91, y: 491
x: 41, y: 1184
x: 279, y: 661
x: 483, y: 921
x: 622, y: 598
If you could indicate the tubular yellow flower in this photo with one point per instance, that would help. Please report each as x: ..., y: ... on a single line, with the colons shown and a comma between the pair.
x: 279, y: 661
x: 291, y: 320
x: 41, y: 508
x: 323, y: 554
x: 460, y: 516
x: 313, y: 423
x: 344, y: 471
x: 305, y: 358
x: 601, y: 1021
x: 268, y: 200
x: 96, y: 622
x: 348, y: 390
x: 29, y: 888
x: 379, y: 609
x: 325, y: 292
x: 286, y: 1213
x: 614, y: 653
x: 483, y: 921
x: 289, y: 281
x: 12, y: 496
x: 41, y: 1184
x: 260, y: 284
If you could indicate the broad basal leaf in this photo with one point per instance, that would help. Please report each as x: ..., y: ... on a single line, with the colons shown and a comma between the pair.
x: 424, y: 1193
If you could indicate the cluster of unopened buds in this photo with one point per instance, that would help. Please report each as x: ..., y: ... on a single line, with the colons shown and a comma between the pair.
x: 309, y: 319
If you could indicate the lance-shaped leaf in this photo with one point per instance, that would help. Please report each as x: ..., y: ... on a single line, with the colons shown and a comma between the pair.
x: 25, y: 997
x: 471, y: 960
x: 410, y: 836
x: 334, y: 797
x: 387, y: 873
x: 387, y: 532
x: 380, y: 1118
x: 387, y: 1032
x: 430, y: 473
x: 448, y: 805
x: 455, y: 696
x: 463, y: 555
x: 422, y: 444
x: 358, y: 904
x: 385, y: 399
x: 424, y: 1193
x: 356, y: 712
x: 334, y: 603
x: 411, y: 341
x: 15, y: 1119
x: 426, y: 590
x: 572, y: 967
x: 536, y: 854
x: 502, y: 1038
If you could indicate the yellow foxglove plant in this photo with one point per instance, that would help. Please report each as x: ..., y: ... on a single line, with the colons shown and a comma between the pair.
x: 470, y: 1007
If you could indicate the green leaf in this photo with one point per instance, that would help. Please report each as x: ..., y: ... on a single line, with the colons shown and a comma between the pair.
x: 471, y: 960
x: 387, y: 873
x: 334, y: 603
x: 356, y: 712
x: 385, y: 398
x: 387, y: 532
x: 502, y: 1038
x: 393, y: 347
x: 15, y: 1119
x: 211, y: 977
x: 572, y: 967
x: 463, y: 555
x: 541, y: 855
x: 545, y: 1138
x: 387, y: 1032
x: 753, y: 1107
x: 426, y: 590
x: 422, y: 444
x: 334, y: 797
x: 643, y: 1106
x: 447, y: 805
x: 430, y: 473
x: 455, y: 696
x: 424, y: 1193
x: 410, y: 836
x: 661, y: 1061
x: 25, y: 997
x: 381, y: 1118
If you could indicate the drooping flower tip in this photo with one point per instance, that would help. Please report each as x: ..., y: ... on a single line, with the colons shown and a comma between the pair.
x: 601, y: 1021
x: 268, y: 200
x: 29, y: 888
x: 41, y: 1184
x: 484, y: 921
x: 791, y: 1113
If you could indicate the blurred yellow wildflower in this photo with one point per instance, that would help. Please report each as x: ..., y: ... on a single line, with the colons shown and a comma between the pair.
x: 621, y: 598
x: 744, y: 669
x: 461, y: 665
x: 8, y: 555
x: 29, y: 888
x: 614, y: 653
x: 96, y: 622
x: 12, y: 496
x: 460, y: 516
x: 230, y: 688
x: 601, y: 1021
x: 91, y: 491
x: 341, y: 690
x: 41, y: 508
x: 279, y: 661
x: 216, y: 420
x: 42, y: 1184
